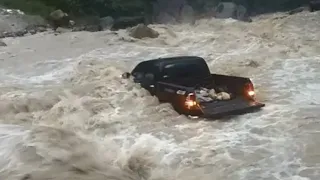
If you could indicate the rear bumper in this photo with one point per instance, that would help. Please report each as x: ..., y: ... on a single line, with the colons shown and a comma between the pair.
x: 232, y: 109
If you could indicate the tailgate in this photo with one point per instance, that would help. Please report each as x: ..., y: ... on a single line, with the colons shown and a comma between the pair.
x: 231, y: 107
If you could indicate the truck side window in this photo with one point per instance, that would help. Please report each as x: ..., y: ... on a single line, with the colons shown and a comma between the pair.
x: 138, y: 68
x: 144, y: 71
x: 138, y: 71
x: 138, y: 75
x: 183, y: 70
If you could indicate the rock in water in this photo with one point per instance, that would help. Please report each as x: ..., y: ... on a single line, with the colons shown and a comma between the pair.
x: 252, y: 63
x: 72, y: 23
x: 106, y: 22
x: 242, y: 14
x: 2, y: 43
x: 164, y: 18
x: 231, y: 10
x: 143, y: 31
x: 62, y: 30
x: 59, y: 19
x: 57, y: 14
x: 187, y: 15
x: 127, y: 22
x: 168, y: 11
x: 297, y: 10
x: 87, y: 23
x: 15, y: 24
x: 225, y: 10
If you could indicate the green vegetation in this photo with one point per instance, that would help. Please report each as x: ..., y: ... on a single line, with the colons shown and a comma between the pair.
x: 81, y: 7
x: 36, y: 7
x: 129, y: 7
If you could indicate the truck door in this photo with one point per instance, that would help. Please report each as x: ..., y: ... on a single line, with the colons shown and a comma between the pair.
x: 144, y: 74
x: 149, y: 83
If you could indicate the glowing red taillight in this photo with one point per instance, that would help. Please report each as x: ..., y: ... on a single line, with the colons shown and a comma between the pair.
x: 251, y: 93
x: 190, y: 101
x: 249, y: 90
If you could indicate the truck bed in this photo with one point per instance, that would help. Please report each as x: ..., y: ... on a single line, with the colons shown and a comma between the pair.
x: 230, y: 84
x: 237, y: 105
x: 235, y: 85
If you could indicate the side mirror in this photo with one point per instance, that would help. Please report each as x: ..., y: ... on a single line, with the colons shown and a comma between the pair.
x: 126, y: 75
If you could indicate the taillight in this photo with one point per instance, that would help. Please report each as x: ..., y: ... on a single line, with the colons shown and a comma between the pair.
x: 249, y: 90
x: 190, y: 101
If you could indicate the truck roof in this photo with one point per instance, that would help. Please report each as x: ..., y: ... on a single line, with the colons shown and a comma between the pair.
x: 173, y: 59
x: 184, y: 63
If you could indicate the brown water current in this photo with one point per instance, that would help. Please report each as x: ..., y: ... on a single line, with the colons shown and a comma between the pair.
x: 66, y: 114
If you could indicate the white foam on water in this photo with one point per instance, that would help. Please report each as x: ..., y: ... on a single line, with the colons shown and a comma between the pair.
x: 46, y: 76
x: 95, y: 125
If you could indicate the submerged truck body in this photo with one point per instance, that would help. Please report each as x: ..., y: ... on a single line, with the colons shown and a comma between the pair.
x: 181, y: 81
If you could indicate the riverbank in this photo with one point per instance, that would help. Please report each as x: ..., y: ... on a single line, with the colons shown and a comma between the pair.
x: 15, y: 23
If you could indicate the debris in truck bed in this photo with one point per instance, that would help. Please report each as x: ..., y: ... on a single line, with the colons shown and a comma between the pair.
x: 223, y: 96
x: 207, y: 95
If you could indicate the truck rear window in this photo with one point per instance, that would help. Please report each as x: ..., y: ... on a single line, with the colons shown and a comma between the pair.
x: 185, y: 70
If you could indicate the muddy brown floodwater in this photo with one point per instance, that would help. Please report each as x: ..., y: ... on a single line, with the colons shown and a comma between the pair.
x: 66, y: 114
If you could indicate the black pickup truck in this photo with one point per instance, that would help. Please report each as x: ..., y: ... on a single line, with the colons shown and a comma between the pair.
x: 180, y: 80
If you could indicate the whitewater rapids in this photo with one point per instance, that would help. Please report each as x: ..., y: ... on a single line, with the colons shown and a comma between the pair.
x: 66, y: 114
